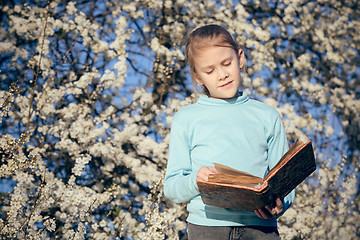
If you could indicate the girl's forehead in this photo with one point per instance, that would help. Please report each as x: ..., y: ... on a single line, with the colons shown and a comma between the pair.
x: 204, y: 44
x: 209, y: 41
x: 210, y: 49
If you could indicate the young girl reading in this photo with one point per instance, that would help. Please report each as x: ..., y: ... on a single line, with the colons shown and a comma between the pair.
x: 227, y: 127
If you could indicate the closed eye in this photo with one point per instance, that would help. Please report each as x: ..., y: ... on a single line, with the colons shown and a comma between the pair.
x: 209, y: 72
x: 227, y: 63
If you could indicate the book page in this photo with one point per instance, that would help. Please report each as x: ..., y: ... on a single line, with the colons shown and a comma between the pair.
x: 223, y: 169
x: 239, y: 180
x: 228, y: 175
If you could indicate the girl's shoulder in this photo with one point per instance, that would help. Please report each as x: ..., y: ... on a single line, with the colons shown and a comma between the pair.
x: 185, y: 116
x: 187, y: 110
x: 262, y: 107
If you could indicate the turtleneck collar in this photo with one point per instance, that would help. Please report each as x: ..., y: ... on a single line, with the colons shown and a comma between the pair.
x: 205, y: 100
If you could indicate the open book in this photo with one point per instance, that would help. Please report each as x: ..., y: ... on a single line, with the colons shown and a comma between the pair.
x: 239, y: 190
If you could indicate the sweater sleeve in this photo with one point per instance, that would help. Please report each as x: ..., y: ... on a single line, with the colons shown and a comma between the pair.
x: 180, y: 180
x: 277, y: 147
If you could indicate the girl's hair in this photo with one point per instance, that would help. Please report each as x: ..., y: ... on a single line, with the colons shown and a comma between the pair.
x: 207, y: 36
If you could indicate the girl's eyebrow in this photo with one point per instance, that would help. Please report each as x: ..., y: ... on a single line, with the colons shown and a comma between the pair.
x: 227, y: 59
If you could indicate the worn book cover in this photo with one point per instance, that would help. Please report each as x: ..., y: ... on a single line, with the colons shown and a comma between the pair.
x: 239, y: 190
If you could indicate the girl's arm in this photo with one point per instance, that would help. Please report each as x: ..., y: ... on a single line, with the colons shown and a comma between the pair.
x: 277, y: 147
x: 180, y: 179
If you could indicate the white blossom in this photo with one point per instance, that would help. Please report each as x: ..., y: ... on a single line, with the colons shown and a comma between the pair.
x: 80, y: 163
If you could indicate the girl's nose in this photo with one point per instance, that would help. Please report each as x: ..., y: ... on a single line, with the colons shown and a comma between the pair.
x: 223, y: 74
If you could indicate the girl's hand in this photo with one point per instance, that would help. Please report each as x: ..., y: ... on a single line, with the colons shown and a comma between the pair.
x: 270, y: 211
x: 204, y: 172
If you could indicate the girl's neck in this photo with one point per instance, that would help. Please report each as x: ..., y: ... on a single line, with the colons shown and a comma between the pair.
x: 237, y: 94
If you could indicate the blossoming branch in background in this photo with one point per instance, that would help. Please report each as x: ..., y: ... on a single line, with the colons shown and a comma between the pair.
x: 88, y: 93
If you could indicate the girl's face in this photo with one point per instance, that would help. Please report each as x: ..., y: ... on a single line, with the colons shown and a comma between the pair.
x: 218, y: 68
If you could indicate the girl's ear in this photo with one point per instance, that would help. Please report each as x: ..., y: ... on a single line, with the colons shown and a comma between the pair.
x: 241, y: 58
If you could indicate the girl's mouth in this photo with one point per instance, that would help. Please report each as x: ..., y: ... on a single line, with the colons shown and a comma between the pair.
x: 226, y: 84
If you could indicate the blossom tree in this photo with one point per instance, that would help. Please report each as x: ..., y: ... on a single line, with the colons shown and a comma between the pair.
x: 88, y: 90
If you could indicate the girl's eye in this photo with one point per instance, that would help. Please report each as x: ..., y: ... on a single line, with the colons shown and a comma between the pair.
x: 227, y: 63
x: 209, y: 72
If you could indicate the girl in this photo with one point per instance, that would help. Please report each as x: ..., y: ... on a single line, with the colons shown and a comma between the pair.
x: 226, y: 127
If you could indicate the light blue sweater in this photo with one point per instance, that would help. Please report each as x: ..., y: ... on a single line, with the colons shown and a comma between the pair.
x: 241, y: 133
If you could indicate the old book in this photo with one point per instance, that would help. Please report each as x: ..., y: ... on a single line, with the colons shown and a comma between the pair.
x: 239, y: 190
